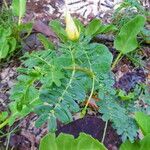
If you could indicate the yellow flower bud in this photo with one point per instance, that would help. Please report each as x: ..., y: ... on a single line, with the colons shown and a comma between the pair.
x: 71, y: 29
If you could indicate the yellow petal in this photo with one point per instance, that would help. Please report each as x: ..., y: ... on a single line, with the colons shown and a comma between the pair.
x: 71, y: 28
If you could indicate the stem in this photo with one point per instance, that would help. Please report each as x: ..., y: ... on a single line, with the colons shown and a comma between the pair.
x: 88, y: 101
x: 72, y: 77
x: 7, y: 120
x: 4, y: 123
x: 8, y: 140
x: 20, y: 16
x: 116, y: 61
x: 113, y: 66
x: 78, y: 68
x: 19, y: 20
x: 104, y: 133
x: 5, y: 3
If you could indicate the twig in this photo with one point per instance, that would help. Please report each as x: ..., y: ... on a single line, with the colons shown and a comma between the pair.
x: 104, y: 133
x: 5, y: 3
x: 116, y: 61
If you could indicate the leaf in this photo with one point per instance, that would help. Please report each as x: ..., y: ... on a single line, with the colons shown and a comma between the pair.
x: 62, y: 115
x: 19, y: 7
x: 66, y: 141
x: 92, y: 27
x: 41, y: 120
x: 145, y: 143
x: 52, y: 124
x: 5, y: 32
x: 4, y: 48
x: 46, y: 42
x: 54, y: 76
x: 101, y: 58
x: 25, y: 28
x: 130, y: 146
x: 84, y: 141
x: 126, y: 41
x: 48, y: 142
x: 79, y: 25
x: 143, y: 121
x: 3, y: 115
x: 58, y: 29
x: 106, y: 28
x: 12, y: 42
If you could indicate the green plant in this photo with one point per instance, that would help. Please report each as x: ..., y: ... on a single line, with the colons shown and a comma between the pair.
x: 143, y: 122
x: 66, y: 141
x: 54, y: 82
x: 126, y: 40
x: 127, y: 10
x: 19, y: 8
x: 11, y: 33
x: 143, y: 144
x: 62, y: 76
x: 7, y: 42
x: 94, y: 28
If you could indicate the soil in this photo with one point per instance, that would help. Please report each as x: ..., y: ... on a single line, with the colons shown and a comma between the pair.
x: 93, y: 126
x: 27, y: 136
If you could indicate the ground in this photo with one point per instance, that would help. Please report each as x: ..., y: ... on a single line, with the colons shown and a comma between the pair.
x: 42, y: 11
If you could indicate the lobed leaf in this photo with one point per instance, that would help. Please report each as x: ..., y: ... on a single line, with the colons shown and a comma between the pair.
x: 66, y: 141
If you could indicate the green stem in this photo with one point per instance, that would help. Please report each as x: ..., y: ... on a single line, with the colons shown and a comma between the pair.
x: 19, y: 21
x: 113, y: 66
x: 20, y: 17
x: 88, y: 101
x: 7, y: 120
x: 78, y: 68
x: 72, y: 76
x: 4, y: 123
x: 116, y: 61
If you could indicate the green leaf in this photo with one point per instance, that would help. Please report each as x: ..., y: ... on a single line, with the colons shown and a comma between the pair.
x: 48, y: 142
x: 25, y: 28
x: 130, y: 146
x: 79, y: 25
x: 106, y: 28
x: 52, y: 123
x: 41, y: 120
x: 58, y: 29
x: 12, y: 42
x: 54, y: 76
x: 4, y: 48
x: 19, y: 7
x: 62, y: 115
x: 5, y: 32
x: 92, y: 27
x: 143, y: 121
x: 3, y: 115
x: 101, y: 58
x: 84, y: 141
x: 46, y: 42
x: 67, y: 142
x: 145, y: 143
x: 126, y: 41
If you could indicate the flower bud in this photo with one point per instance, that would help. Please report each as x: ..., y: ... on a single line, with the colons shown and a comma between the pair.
x: 71, y: 29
